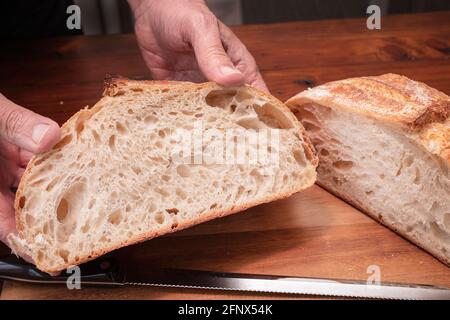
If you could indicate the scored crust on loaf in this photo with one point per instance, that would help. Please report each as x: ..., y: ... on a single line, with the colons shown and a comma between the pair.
x: 384, y: 146
x: 111, y: 181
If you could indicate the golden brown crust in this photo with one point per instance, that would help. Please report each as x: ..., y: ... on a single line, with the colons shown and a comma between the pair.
x: 115, y: 86
x: 423, y: 112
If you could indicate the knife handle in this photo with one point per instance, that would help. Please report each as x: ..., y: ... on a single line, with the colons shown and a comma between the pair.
x: 103, y: 271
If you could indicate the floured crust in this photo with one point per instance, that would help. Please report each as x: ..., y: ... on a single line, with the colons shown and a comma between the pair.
x: 114, y: 86
x: 422, y: 111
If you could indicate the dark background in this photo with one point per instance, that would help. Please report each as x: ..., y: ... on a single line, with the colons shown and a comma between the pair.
x: 269, y: 11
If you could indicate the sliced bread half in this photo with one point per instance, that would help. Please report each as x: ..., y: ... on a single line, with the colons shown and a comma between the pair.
x: 384, y: 146
x: 126, y: 169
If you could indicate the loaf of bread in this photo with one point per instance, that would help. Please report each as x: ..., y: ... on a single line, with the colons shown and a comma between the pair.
x: 122, y: 174
x: 384, y: 146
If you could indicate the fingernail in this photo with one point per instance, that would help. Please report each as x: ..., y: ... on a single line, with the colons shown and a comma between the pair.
x: 228, y: 70
x: 39, y: 132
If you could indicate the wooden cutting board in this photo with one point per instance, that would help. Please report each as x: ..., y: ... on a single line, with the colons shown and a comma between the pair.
x: 310, y: 234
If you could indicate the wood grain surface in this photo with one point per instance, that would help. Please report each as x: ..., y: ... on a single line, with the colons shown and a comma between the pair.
x: 310, y: 234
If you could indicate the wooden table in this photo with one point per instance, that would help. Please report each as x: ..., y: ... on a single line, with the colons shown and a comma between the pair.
x: 310, y: 234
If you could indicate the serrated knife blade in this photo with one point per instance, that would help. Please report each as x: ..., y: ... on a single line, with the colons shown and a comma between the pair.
x: 285, y: 285
x: 109, y: 272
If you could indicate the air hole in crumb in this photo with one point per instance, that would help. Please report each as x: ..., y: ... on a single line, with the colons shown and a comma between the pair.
x: 187, y: 112
x: 79, y: 128
x: 159, y: 218
x: 130, y: 111
x: 112, y: 142
x: 64, y: 254
x: 165, y: 90
x: 447, y: 220
x: 434, y: 207
x: 183, y: 170
x: 172, y: 211
x: 220, y: 98
x: 299, y: 157
x: 45, y: 228
x: 174, y: 225
x: 96, y: 136
x: 85, y: 228
x: 136, y: 170
x: 173, y: 113
x: 29, y: 220
x: 310, y: 126
x: 165, y: 178
x: 161, y: 133
x: 40, y: 256
x: 115, y: 217
x: 439, y: 232
x: 243, y: 94
x: 214, y: 205
x: 121, y: 128
x: 91, y: 204
x: 408, y: 161
x: 416, y: 176
x: 343, y: 164
x: 324, y: 152
x: 150, y: 119
x: 22, y: 202
x: 40, y: 159
x: 180, y: 193
x: 62, y: 210
x: 162, y: 192
x: 63, y: 142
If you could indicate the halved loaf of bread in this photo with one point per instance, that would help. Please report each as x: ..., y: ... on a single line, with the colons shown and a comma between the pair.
x: 119, y: 175
x: 384, y: 146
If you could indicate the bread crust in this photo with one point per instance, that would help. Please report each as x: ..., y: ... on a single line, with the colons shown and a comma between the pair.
x: 414, y: 109
x: 421, y: 111
x: 115, y: 86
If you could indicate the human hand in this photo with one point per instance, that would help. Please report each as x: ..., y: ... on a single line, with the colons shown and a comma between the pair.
x: 183, y: 40
x: 22, y: 134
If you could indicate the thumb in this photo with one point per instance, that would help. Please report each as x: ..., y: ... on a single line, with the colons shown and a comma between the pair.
x: 212, y: 59
x: 25, y: 128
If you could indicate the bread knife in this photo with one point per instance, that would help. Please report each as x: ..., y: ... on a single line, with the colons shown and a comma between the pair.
x: 109, y: 272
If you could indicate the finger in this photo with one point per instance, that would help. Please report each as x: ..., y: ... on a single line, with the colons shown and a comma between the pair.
x: 242, y: 58
x: 17, y: 177
x: 25, y: 157
x: 211, y: 56
x: 260, y: 83
x: 25, y: 128
x: 7, y: 218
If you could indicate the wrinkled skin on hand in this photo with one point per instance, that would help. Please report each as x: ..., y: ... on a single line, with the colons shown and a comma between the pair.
x: 183, y: 40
